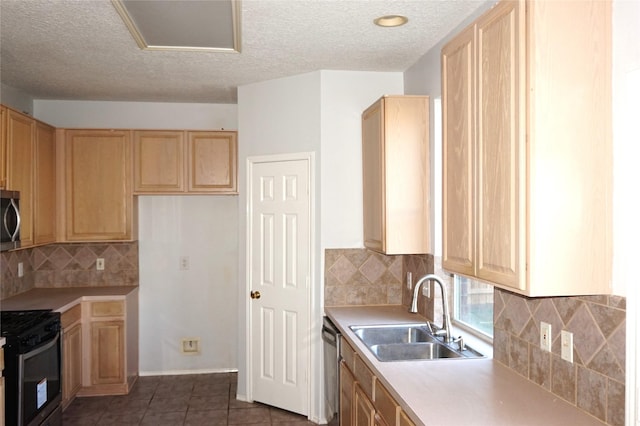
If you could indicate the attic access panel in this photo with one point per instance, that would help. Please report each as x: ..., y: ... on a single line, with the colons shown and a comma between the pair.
x: 182, y: 25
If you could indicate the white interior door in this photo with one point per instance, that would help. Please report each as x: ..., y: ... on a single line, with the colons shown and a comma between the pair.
x: 279, y: 269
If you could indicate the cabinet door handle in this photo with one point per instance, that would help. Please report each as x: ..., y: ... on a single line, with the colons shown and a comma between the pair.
x: 255, y: 295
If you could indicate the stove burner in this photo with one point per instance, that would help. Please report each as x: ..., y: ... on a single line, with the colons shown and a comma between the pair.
x: 15, y: 322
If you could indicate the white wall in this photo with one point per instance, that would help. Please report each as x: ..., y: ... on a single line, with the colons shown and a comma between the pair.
x: 16, y: 99
x: 136, y: 115
x: 317, y: 112
x: 344, y: 95
x: 175, y: 304
x: 199, y: 302
x: 274, y: 117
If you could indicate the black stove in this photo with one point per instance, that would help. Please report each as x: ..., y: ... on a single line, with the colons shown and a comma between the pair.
x: 25, y: 330
x: 32, y: 367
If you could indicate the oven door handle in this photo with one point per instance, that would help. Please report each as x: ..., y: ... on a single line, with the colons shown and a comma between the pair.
x: 41, y: 349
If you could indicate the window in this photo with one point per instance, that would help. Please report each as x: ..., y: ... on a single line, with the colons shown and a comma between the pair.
x: 473, y: 305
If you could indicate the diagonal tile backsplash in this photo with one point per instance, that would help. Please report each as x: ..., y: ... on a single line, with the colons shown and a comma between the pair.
x: 69, y: 265
x: 595, y: 381
x: 362, y: 277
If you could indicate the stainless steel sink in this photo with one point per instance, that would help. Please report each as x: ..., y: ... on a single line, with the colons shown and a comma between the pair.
x: 409, y: 351
x: 404, y: 342
x: 385, y: 334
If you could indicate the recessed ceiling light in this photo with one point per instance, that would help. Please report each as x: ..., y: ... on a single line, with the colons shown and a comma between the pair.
x: 391, y: 21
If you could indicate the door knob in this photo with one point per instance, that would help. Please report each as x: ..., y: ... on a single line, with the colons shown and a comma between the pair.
x: 255, y: 295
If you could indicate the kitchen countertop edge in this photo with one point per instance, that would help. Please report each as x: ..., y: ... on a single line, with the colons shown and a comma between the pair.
x: 63, y: 299
x: 485, y: 391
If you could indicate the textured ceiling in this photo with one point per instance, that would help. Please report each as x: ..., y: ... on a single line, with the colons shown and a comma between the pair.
x: 82, y: 50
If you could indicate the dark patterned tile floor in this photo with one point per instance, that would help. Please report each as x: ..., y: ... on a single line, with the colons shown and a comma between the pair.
x: 188, y: 400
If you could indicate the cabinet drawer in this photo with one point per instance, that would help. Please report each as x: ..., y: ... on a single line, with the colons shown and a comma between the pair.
x: 72, y: 315
x: 385, y: 404
x: 348, y: 354
x: 364, y: 376
x: 107, y: 309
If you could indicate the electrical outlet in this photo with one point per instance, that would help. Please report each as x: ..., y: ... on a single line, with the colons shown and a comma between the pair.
x: 20, y: 269
x: 426, y: 289
x: 184, y: 263
x: 409, y: 280
x: 566, y: 338
x: 191, y: 346
x: 545, y: 336
x: 100, y: 264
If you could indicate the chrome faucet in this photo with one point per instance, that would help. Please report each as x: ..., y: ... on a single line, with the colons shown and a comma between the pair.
x: 446, y: 319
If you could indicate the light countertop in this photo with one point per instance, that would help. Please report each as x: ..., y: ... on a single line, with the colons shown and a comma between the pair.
x: 456, y: 392
x: 62, y: 299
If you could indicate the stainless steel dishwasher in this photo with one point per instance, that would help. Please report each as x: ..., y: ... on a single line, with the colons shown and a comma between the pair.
x: 331, y: 337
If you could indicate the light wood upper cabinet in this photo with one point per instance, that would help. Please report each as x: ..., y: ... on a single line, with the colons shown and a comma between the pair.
x: 3, y: 147
x: 99, y: 201
x: 21, y: 168
x: 185, y: 161
x: 159, y: 161
x: 212, y: 158
x: 395, y: 163
x: 527, y: 148
x: 45, y: 185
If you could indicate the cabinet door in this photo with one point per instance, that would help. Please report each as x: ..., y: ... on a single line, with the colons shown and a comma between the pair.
x: 458, y: 135
x: 212, y: 158
x: 98, y: 185
x: 500, y: 163
x: 158, y: 159
x: 44, y: 220
x: 405, y: 420
x: 379, y: 421
x: 3, y: 147
x: 1, y: 401
x: 363, y: 410
x: 373, y: 177
x: 20, y: 168
x: 107, y: 352
x: 72, y: 362
x: 346, y: 395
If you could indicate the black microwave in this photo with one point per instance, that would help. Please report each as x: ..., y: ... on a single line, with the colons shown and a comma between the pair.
x: 9, y: 220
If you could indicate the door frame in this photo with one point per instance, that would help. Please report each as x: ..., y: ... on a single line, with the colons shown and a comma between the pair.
x: 312, y: 370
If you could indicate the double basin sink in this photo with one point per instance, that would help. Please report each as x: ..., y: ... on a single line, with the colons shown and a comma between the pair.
x: 406, y: 342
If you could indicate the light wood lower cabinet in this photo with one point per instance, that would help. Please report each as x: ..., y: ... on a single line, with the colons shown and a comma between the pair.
x: 111, y: 361
x: 1, y: 387
x: 107, y: 352
x: 72, y: 363
x: 71, y: 322
x: 108, y: 346
x: 363, y: 410
x: 364, y: 400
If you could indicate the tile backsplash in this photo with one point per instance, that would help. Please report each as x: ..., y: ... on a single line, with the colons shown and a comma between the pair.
x: 69, y: 265
x: 595, y: 381
x: 365, y: 277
